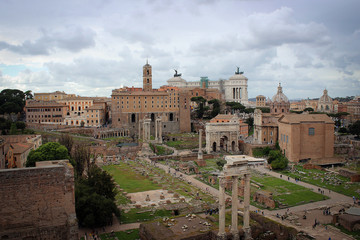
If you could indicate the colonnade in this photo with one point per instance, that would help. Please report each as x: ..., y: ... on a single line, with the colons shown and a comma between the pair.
x: 234, y: 178
x: 237, y: 93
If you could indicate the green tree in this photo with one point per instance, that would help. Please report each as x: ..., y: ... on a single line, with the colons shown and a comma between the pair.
x: 235, y: 106
x: 216, y: 107
x: 94, y: 198
x: 101, y: 182
x: 308, y: 109
x: 274, y: 155
x: 264, y: 109
x: 20, y: 125
x: 92, y: 209
x: 12, y: 101
x: 67, y: 141
x: 13, y: 129
x: 46, y: 152
x: 221, y: 163
x: 355, y: 128
x: 250, y: 122
x: 81, y: 156
x: 280, y: 163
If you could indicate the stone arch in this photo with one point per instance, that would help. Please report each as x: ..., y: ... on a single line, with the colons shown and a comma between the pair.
x: 224, y: 143
x: 233, y: 146
x: 214, y: 146
x: 171, y: 117
x: 152, y: 117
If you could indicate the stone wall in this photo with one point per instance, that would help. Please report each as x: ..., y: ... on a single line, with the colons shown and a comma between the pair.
x: 264, y: 198
x: 38, y: 203
x: 312, y: 166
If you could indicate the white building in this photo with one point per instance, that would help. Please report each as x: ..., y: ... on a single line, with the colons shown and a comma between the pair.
x: 234, y: 89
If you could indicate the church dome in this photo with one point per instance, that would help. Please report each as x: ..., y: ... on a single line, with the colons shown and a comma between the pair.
x: 325, y: 98
x: 279, y: 96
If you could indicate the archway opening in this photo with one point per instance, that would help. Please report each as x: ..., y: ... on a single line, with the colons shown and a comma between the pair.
x: 214, y: 146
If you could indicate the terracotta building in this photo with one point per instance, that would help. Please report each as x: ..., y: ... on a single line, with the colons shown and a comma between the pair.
x: 16, y: 148
x: 45, y: 112
x: 306, y: 136
x: 129, y: 107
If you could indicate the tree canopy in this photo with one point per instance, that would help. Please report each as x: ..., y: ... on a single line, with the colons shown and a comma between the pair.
x: 13, y: 100
x: 355, y: 128
x: 46, y: 152
x: 94, y: 198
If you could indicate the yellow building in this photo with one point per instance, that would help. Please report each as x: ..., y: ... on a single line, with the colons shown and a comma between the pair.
x: 54, y: 96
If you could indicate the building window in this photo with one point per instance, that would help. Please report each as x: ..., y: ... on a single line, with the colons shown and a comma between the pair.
x: 311, y: 131
x: 287, y: 138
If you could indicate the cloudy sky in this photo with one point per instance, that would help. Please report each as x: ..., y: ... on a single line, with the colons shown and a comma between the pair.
x: 89, y: 47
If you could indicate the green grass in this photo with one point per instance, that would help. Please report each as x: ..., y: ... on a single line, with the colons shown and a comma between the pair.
x: 160, y: 150
x: 314, y: 176
x: 285, y: 192
x: 123, y: 235
x: 129, y: 180
x: 142, y: 215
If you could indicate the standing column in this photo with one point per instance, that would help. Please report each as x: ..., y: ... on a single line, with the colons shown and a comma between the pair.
x: 234, y: 208
x: 160, y: 131
x: 200, y: 153
x: 221, y: 234
x: 156, y: 130
x: 144, y: 131
x: 246, y: 224
x: 149, y: 128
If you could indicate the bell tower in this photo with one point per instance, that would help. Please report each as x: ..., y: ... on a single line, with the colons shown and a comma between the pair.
x: 147, y: 77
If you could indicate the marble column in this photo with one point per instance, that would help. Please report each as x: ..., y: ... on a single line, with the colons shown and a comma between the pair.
x: 222, y: 234
x: 234, y: 208
x: 200, y: 153
x: 156, y: 130
x: 246, y: 224
x: 160, y: 131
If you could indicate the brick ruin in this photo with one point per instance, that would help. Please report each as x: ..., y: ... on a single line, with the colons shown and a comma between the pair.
x: 38, y: 203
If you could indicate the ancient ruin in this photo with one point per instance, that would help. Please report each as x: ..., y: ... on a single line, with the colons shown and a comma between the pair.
x: 235, y: 167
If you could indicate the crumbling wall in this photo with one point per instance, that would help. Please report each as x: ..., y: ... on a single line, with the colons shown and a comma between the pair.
x: 38, y: 203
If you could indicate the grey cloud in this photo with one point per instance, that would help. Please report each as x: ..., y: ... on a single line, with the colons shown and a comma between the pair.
x: 278, y: 28
x: 72, y: 39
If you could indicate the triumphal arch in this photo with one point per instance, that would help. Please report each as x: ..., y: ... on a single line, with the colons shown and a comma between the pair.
x: 222, y: 135
x: 236, y: 166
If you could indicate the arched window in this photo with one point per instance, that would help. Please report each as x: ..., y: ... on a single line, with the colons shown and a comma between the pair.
x: 171, y: 117
x: 133, y: 119
x: 152, y: 117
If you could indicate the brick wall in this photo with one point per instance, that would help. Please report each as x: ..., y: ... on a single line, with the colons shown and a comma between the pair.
x: 38, y: 203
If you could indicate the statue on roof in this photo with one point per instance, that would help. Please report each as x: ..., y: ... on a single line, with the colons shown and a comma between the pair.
x: 238, y: 71
x: 177, y: 74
